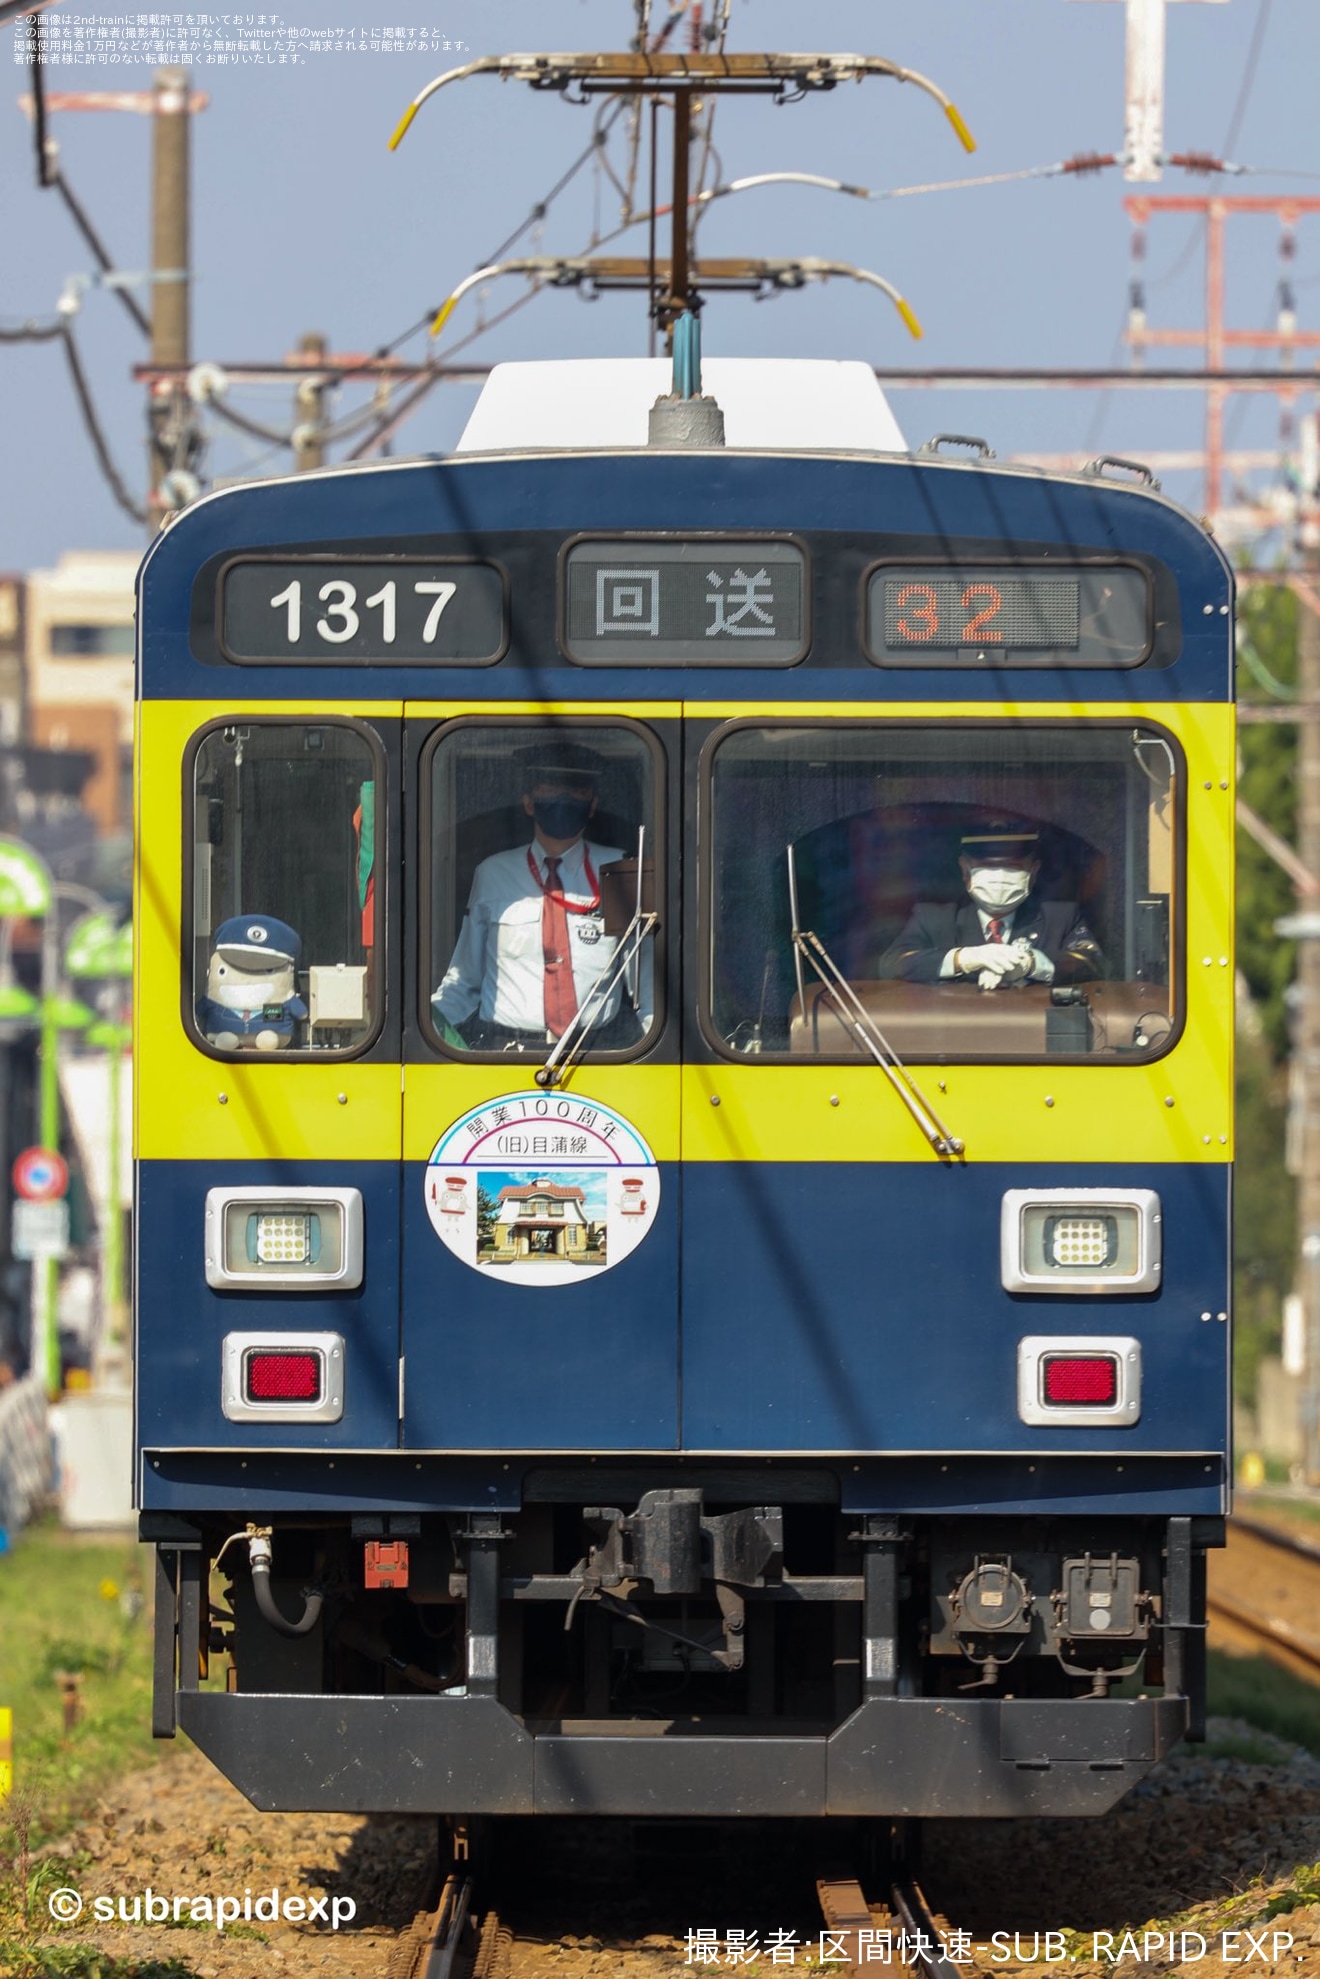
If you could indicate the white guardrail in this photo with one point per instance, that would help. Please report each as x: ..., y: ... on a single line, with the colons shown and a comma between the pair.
x: 25, y: 1463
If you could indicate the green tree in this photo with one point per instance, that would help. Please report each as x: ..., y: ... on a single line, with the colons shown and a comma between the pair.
x: 1265, y: 1208
x: 1267, y: 671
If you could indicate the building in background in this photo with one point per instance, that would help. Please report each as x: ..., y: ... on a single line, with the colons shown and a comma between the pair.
x: 13, y: 673
x: 79, y: 704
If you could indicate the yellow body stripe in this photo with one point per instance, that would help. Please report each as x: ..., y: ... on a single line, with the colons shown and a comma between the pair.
x: 437, y: 1095
x: 1176, y: 1109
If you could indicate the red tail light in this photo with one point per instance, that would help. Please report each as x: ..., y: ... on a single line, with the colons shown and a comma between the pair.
x: 1089, y: 1379
x: 283, y: 1377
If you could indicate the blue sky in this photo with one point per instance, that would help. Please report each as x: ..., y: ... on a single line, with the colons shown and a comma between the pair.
x: 303, y: 220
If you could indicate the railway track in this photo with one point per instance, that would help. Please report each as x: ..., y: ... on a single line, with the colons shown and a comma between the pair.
x: 918, y: 1936
x: 1284, y: 1640
x: 442, y: 1943
x: 451, y: 1941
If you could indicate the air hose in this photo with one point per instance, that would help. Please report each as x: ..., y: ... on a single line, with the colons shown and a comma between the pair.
x: 259, y: 1558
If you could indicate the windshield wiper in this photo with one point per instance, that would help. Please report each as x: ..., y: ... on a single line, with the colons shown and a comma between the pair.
x: 852, y: 1011
x: 625, y: 969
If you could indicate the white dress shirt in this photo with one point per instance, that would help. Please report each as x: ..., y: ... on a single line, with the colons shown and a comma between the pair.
x: 497, y: 968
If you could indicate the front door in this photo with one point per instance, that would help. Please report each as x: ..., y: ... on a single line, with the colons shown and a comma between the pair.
x: 540, y: 1221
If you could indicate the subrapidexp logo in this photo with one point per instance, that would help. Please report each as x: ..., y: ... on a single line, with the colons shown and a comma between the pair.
x: 542, y: 1188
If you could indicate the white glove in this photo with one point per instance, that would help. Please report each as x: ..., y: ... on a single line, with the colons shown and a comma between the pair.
x: 993, y: 959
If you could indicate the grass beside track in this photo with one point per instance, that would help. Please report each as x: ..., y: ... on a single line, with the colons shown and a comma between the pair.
x: 75, y: 1624
x: 1254, y: 1689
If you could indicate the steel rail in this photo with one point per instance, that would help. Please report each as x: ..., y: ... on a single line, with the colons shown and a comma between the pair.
x: 847, y: 1913
x: 438, y: 1950
x: 914, y: 1913
x: 1273, y: 1535
x: 1278, y: 1636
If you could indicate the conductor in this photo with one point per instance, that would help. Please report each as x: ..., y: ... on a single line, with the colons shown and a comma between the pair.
x: 533, y: 945
x: 1002, y: 932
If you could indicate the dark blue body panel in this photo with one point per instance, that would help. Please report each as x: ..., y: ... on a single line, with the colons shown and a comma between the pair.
x: 190, y: 1482
x: 417, y: 502
x: 182, y: 1322
x: 494, y: 1366
x: 888, y: 1331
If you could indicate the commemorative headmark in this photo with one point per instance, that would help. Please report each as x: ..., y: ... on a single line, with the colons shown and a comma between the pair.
x: 542, y: 1189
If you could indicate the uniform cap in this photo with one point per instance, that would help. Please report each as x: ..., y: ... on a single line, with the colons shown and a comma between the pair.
x: 245, y: 938
x: 571, y: 761
x: 1001, y: 840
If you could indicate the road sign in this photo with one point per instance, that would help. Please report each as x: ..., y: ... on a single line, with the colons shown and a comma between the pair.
x: 40, y: 1175
x: 40, y: 1229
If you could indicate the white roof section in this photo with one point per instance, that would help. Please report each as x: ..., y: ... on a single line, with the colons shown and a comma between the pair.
x: 812, y: 403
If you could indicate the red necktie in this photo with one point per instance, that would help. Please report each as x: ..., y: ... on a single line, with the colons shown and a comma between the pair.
x: 994, y: 929
x: 560, y: 994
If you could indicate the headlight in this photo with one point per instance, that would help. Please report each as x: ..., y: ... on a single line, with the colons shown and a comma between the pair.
x: 298, y: 1239
x: 1080, y: 1240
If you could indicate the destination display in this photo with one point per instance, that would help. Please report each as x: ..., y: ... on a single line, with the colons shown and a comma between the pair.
x: 1083, y: 616
x: 717, y: 603
x: 401, y: 611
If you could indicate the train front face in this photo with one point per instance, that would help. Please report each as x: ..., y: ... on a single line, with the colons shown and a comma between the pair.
x: 768, y: 1351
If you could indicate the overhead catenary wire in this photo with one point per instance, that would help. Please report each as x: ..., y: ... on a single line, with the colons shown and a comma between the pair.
x: 60, y: 332
x: 424, y: 386
x: 32, y: 333
x: 93, y: 240
x: 50, y: 174
x: 242, y: 424
x: 1249, y: 73
x: 599, y: 137
x: 82, y: 392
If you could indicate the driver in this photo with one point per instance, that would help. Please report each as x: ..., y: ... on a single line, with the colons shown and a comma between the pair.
x: 1001, y: 932
x: 533, y: 944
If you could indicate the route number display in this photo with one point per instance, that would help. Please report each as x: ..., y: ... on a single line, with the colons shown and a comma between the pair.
x: 329, y: 609
x: 933, y: 616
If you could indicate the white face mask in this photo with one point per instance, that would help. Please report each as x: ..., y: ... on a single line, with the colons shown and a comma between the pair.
x: 998, y: 887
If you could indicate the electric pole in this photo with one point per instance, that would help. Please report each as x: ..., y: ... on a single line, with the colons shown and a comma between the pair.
x: 169, y: 416
x: 1306, y: 1058
x: 309, y: 407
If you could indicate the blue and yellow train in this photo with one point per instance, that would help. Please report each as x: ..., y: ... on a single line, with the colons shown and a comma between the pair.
x: 684, y: 1120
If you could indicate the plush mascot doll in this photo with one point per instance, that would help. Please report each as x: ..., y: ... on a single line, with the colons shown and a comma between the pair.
x: 250, y: 1004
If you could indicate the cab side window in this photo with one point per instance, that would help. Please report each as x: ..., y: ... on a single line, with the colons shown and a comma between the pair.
x: 284, y: 937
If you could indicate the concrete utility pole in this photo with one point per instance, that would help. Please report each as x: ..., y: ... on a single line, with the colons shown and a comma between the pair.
x: 170, y: 267
x: 1143, y: 123
x: 309, y: 407
x: 1306, y: 1050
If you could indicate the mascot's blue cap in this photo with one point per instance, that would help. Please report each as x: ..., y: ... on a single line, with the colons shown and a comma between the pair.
x: 247, y: 938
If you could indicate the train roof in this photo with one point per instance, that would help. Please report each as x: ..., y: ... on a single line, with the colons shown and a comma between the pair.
x: 783, y: 404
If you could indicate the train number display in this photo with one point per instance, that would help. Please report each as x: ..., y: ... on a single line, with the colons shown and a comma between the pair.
x: 1084, y: 616
x: 411, y: 611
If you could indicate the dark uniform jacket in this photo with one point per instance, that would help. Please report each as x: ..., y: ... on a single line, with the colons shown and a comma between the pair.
x: 934, y: 927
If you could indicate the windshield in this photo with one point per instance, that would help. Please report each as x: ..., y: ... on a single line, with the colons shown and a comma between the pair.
x: 997, y: 890
x: 534, y: 834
